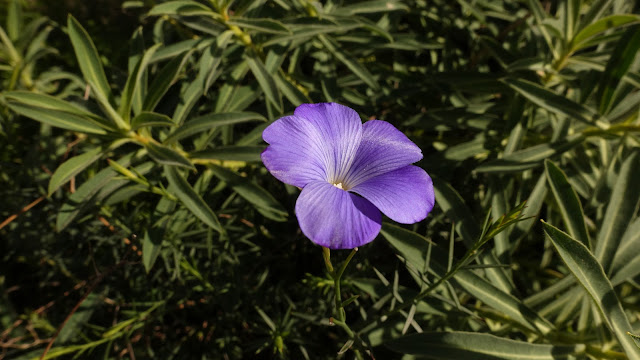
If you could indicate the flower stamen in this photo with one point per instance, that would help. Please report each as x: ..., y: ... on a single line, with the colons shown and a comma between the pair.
x: 339, y: 186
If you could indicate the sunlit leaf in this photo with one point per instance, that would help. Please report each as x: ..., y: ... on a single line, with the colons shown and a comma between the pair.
x: 475, y: 346
x: 590, y: 274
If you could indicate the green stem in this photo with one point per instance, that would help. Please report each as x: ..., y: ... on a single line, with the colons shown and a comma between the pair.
x: 337, y: 277
x: 340, y: 314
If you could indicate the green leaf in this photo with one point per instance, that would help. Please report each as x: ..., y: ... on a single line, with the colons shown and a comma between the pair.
x: 44, y: 101
x: 310, y: 28
x: 229, y: 153
x: 600, y: 26
x: 555, y: 103
x: 91, y: 67
x: 413, y: 248
x: 80, y: 318
x: 626, y: 263
x: 290, y: 91
x: 619, y: 62
x: 171, y: 51
x: 14, y: 19
x: 147, y: 118
x: 478, y: 346
x: 79, y: 200
x: 167, y: 156
x: 530, y: 157
x: 72, y: 167
x: 265, y: 79
x: 269, y: 26
x: 351, y: 63
x: 182, y: 8
x: 55, y: 112
x: 152, y: 242
x: 371, y: 6
x: 530, y: 214
x: 455, y: 209
x: 164, y: 79
x: 215, y: 54
x: 466, y: 226
x: 596, y: 8
x: 136, y: 51
x: 151, y: 245
x: 590, y: 274
x: 190, y: 199
x: 620, y: 210
x: 263, y: 201
x: 133, y: 82
x: 210, y: 121
x: 364, y: 23
x: 568, y: 202
x: 540, y: 16
x: 208, y: 62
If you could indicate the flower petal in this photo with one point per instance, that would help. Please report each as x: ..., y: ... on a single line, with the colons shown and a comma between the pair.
x: 341, y: 130
x: 335, y: 218
x: 296, y: 154
x: 405, y: 195
x: 383, y: 149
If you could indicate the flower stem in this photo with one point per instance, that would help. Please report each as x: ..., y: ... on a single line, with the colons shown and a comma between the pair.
x: 340, y: 314
x: 337, y: 277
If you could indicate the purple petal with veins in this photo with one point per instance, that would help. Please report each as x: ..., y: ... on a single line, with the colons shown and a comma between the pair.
x: 348, y: 173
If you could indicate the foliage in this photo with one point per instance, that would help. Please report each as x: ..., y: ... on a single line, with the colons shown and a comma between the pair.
x: 138, y: 220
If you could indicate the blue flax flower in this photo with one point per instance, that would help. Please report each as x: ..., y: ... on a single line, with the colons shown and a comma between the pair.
x: 348, y: 172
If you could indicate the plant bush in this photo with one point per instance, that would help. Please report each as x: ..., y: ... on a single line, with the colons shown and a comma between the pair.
x: 138, y: 220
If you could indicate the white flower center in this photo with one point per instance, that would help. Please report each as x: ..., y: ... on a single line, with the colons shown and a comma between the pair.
x: 339, y: 186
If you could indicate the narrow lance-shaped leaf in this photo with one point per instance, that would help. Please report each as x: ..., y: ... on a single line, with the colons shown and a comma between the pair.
x: 262, y: 25
x: 43, y: 111
x: 133, y: 82
x: 263, y: 201
x: 453, y: 205
x: 164, y: 79
x: 147, y: 118
x: 590, y: 274
x: 530, y: 157
x: 210, y: 121
x: 476, y: 346
x: 265, y: 79
x: 91, y: 67
x: 371, y: 6
x: 413, y: 248
x: 353, y: 64
x: 568, y: 202
x: 136, y: 52
x: 290, y: 91
x: 166, y: 155
x: 626, y: 263
x: 153, y: 237
x: 555, y: 103
x: 216, y: 51
x: 620, y: 210
x: 540, y: 15
x: 229, y: 153
x: 72, y: 167
x: 208, y: 62
x: 182, y: 8
x: 619, y: 62
x: 80, y: 199
x: 191, y: 199
x: 600, y: 26
x: 14, y: 19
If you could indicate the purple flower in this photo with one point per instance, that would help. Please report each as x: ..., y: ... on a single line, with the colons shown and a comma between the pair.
x: 348, y: 172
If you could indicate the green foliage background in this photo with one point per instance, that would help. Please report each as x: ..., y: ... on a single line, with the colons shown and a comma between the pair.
x: 139, y: 222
